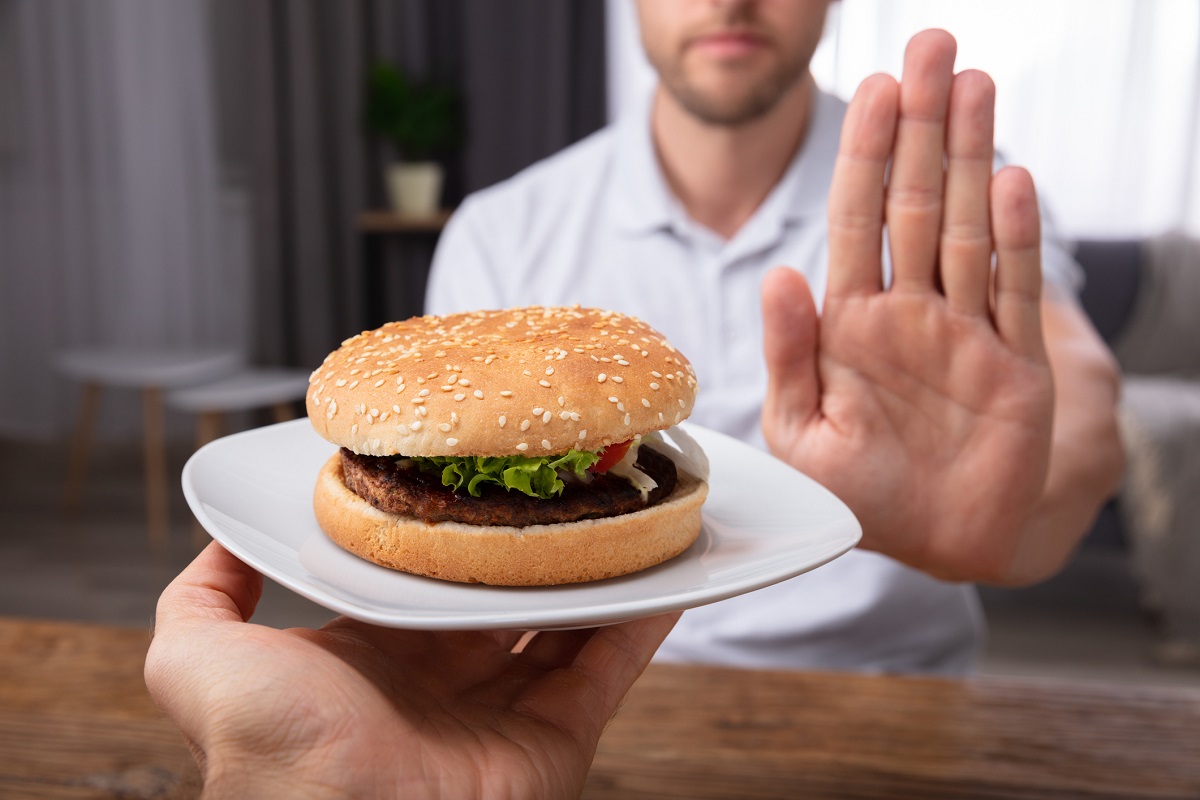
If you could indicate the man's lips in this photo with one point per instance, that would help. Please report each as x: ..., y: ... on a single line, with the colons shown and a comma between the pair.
x: 729, y: 44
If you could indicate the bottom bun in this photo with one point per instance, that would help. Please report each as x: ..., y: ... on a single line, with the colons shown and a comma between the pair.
x: 537, y: 555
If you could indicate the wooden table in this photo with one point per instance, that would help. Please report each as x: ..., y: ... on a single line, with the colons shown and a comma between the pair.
x: 75, y: 722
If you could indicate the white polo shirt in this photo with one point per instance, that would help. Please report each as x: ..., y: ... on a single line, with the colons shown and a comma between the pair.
x: 597, y: 225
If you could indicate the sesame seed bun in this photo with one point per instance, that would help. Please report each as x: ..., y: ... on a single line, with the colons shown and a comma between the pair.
x: 524, y: 381
x: 536, y: 555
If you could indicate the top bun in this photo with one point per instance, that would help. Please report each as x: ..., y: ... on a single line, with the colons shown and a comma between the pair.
x: 521, y: 381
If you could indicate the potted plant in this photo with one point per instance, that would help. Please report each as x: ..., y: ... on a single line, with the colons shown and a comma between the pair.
x: 422, y: 122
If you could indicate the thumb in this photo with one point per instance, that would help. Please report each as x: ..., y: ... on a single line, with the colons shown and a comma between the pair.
x: 790, y: 340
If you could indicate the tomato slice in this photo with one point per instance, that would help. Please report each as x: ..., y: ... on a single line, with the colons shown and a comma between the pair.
x: 609, y: 456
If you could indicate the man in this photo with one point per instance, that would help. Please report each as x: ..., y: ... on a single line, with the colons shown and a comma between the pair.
x: 964, y: 415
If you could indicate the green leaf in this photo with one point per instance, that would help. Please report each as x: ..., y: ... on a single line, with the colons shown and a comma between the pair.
x: 536, y: 476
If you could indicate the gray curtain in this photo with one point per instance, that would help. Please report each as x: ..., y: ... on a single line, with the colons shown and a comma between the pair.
x: 289, y: 88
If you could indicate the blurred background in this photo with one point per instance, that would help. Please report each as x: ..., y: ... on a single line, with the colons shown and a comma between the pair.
x: 200, y: 199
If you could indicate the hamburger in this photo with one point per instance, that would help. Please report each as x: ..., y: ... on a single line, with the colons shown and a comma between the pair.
x: 519, y: 447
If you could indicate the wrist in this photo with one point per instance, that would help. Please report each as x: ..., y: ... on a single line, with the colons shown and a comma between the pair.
x: 238, y: 779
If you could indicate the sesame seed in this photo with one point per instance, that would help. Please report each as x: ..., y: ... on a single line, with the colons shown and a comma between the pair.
x: 601, y: 377
x: 420, y: 379
x: 444, y: 427
x: 463, y: 382
x: 418, y: 401
x: 524, y: 424
x: 374, y: 412
x: 384, y: 416
x: 681, y: 403
x: 645, y: 402
x: 620, y: 406
x: 415, y: 425
x: 422, y: 411
x: 544, y: 382
x: 451, y: 442
x: 537, y: 412
x: 654, y: 386
x: 527, y: 372
x: 626, y: 419
x: 522, y: 447
x: 453, y: 378
x: 614, y: 399
x: 506, y: 393
x: 379, y: 383
x: 478, y: 394
x: 546, y: 417
x: 454, y: 417
x: 423, y: 393
x: 605, y: 360
x: 354, y: 428
x: 355, y: 371
x: 549, y: 370
x: 582, y: 435
x: 340, y: 382
x: 374, y: 444
x: 562, y: 401
x: 446, y: 387
x: 503, y: 419
x: 459, y: 397
x: 656, y: 373
x: 574, y: 416
x: 546, y: 443
x: 396, y: 409
x: 622, y: 362
x: 670, y: 377
x: 564, y: 415
x: 618, y: 379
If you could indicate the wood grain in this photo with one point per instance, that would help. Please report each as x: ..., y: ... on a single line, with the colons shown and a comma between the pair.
x: 707, y: 733
x: 76, y: 722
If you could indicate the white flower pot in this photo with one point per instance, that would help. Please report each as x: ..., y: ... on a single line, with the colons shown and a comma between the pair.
x: 415, y: 188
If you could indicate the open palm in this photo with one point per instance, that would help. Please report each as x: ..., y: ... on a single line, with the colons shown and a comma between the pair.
x: 366, y: 710
x: 926, y: 406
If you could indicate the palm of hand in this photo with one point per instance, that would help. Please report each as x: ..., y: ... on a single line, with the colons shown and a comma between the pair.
x: 931, y: 427
x: 431, y: 714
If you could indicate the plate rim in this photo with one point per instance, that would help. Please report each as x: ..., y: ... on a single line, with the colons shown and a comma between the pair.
x: 553, y: 619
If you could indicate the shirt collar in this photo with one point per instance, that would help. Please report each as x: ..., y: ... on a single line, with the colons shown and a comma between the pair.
x: 645, y: 202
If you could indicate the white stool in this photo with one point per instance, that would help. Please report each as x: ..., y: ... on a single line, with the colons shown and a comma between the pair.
x: 247, y: 389
x: 262, y: 387
x: 151, y: 372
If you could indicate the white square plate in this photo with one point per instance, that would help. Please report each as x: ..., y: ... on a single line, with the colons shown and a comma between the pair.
x: 763, y: 522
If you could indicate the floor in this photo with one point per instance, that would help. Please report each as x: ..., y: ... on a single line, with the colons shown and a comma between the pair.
x: 1085, y: 624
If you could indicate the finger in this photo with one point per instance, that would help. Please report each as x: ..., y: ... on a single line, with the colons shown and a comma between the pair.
x: 582, y: 699
x: 914, y: 194
x: 856, y: 194
x: 554, y: 649
x: 215, y: 586
x: 966, y: 247
x: 1016, y: 226
x: 790, y: 346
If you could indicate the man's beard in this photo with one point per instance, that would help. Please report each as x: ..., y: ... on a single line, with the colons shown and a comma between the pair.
x: 753, y: 104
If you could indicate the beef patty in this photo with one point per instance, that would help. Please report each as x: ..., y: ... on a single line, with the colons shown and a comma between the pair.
x: 411, y: 492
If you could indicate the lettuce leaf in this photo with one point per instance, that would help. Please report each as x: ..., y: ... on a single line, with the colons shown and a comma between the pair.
x: 536, y: 476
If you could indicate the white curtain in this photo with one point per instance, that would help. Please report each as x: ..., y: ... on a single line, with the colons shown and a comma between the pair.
x: 1100, y: 99
x: 113, y: 226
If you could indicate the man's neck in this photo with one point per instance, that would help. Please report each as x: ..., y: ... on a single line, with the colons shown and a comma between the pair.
x: 722, y: 174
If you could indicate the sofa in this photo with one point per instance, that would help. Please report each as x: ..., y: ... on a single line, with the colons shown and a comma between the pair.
x: 1144, y: 298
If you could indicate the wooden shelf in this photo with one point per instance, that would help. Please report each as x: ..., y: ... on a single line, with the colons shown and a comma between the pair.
x: 391, y: 222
